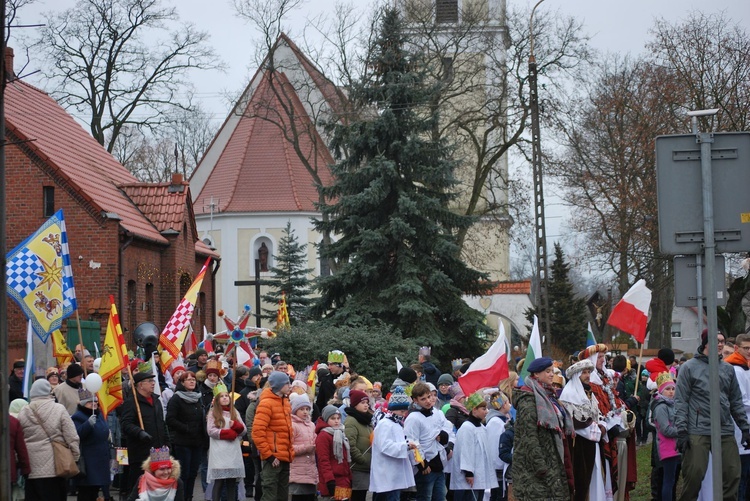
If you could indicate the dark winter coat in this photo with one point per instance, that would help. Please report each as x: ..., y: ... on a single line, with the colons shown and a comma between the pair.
x: 328, y: 466
x: 431, y: 373
x: 456, y: 416
x: 326, y: 391
x: 15, y: 389
x: 506, y: 447
x: 153, y: 424
x: 19, y: 456
x: 94, y: 447
x: 186, y: 421
x: 538, y: 471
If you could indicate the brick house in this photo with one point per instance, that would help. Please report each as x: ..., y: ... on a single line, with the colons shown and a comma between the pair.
x: 132, y: 240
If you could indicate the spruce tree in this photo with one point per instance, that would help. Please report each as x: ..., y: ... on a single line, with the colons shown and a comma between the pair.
x: 567, y: 313
x: 289, y: 277
x: 398, y: 261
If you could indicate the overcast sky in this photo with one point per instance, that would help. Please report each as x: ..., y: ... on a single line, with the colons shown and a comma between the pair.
x: 620, y: 26
x: 615, y: 26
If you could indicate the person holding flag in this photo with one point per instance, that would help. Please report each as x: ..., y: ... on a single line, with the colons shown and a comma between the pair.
x: 142, y: 423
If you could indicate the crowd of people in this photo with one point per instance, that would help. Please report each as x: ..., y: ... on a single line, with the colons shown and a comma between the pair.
x: 267, y: 432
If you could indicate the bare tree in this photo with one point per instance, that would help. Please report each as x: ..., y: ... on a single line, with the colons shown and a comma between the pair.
x: 709, y: 56
x: 122, y: 63
x: 176, y: 147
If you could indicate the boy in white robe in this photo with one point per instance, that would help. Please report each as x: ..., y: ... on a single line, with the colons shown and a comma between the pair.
x: 390, y: 466
x: 473, y: 461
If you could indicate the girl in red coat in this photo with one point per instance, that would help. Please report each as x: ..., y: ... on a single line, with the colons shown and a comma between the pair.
x: 334, y: 457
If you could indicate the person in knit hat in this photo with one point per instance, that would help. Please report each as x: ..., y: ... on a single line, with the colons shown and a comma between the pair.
x: 390, y: 466
x: 473, y: 456
x: 53, y: 376
x: 457, y: 413
x: 662, y: 410
x: 160, y: 479
x: 334, y: 456
x: 444, y: 383
x: 93, y: 432
x: 67, y: 393
x: 43, y: 421
x: 358, y: 429
x: 272, y: 435
x: 303, y: 473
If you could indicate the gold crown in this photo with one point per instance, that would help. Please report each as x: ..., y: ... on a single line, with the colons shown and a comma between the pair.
x: 220, y: 388
x: 336, y: 357
x: 664, y: 377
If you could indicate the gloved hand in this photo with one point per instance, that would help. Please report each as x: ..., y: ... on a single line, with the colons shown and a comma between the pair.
x: 746, y: 439
x: 228, y: 434
x: 143, y: 436
x: 92, y: 419
x: 683, y: 442
x: 237, y: 427
x: 331, y: 486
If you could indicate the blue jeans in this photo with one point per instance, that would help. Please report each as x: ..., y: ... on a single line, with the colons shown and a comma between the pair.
x: 387, y: 496
x: 190, y: 460
x: 430, y: 487
x: 745, y: 477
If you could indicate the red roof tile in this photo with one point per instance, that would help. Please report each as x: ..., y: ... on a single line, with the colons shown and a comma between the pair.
x: 522, y: 287
x: 165, y: 207
x: 73, y: 155
x: 258, y: 169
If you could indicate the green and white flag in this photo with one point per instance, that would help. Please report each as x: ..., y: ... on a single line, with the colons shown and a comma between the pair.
x: 534, y: 350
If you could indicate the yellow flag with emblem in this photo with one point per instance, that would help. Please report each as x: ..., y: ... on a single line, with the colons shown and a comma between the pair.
x: 114, y: 360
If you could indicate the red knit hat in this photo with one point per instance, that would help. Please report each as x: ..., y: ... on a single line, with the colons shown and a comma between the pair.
x: 357, y: 396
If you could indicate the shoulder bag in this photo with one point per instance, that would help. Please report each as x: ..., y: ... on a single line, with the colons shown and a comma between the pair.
x: 65, y: 465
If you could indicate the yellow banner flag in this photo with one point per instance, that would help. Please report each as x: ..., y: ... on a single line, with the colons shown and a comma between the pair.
x: 114, y: 360
x: 40, y: 277
x: 60, y: 348
x: 282, y: 315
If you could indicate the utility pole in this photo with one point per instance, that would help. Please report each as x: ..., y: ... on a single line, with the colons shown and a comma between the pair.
x: 5, y: 487
x: 542, y: 298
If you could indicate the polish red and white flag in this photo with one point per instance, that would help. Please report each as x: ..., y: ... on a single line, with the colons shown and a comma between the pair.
x: 489, y: 369
x: 630, y: 315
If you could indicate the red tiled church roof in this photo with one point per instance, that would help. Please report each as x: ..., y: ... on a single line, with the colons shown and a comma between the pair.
x: 73, y: 156
x: 258, y: 169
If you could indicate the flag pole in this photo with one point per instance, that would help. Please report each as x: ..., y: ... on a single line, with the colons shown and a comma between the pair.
x: 80, y: 340
x: 234, y: 378
x: 638, y: 376
x: 135, y: 396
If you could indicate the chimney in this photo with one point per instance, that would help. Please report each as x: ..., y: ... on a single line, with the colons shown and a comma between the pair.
x: 9, y: 74
x: 177, y: 185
